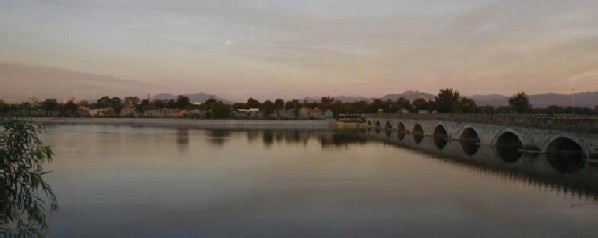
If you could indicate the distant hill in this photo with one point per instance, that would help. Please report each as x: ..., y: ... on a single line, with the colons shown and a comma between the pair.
x: 409, y: 94
x: 341, y: 98
x: 584, y: 99
x: 194, y: 97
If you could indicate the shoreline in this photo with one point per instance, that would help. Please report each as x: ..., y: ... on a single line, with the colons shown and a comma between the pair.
x: 197, y: 123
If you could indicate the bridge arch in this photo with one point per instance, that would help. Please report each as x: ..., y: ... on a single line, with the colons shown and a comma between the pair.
x: 565, y: 154
x: 401, y: 127
x: 506, y: 130
x: 470, y: 140
x: 369, y: 123
x: 508, y: 144
x: 440, y: 136
x: 388, y: 126
x: 569, y: 136
x: 401, y: 131
x: 377, y: 124
x: 418, y: 133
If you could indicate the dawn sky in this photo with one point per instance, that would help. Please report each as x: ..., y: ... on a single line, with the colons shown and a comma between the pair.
x: 270, y: 49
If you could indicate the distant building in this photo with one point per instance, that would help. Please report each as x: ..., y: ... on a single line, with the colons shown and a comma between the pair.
x: 84, y: 111
x: 101, y: 112
x: 251, y: 113
x: 286, y: 114
x: 328, y: 114
x: 195, y: 113
x: 308, y: 113
x: 165, y: 112
x: 128, y: 111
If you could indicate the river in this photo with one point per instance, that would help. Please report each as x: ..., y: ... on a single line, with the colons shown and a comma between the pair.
x: 140, y: 181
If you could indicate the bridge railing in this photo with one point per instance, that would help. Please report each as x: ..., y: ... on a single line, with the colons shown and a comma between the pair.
x: 564, y: 122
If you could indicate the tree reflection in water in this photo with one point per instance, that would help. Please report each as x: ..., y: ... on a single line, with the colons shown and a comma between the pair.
x: 218, y: 136
x: 22, y: 188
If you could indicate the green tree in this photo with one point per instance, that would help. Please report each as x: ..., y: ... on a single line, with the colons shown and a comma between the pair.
x: 211, y: 100
x: 49, y: 105
x: 252, y: 103
x: 84, y: 103
x: 182, y: 102
x: 268, y: 107
x: 22, y: 188
x: 279, y: 103
x: 70, y: 108
x: 520, y: 103
x: 554, y: 109
x: 486, y: 109
x: 467, y: 105
x: 3, y: 107
x: 420, y: 104
x: 159, y: 103
x: 293, y: 104
x: 326, y: 103
x: 403, y: 103
x: 103, y: 101
x: 220, y: 110
x: 447, y: 100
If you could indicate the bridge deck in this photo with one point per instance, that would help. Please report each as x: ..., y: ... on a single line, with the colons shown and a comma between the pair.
x: 573, y: 122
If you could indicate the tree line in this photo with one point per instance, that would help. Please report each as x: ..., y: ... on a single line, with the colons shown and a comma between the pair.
x: 446, y: 101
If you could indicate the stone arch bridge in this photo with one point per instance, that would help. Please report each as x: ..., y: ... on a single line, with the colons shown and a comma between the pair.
x: 573, y: 139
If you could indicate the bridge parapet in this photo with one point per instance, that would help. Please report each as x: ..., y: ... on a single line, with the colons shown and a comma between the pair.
x: 561, y: 122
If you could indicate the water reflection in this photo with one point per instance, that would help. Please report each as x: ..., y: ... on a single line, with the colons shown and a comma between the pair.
x: 218, y: 136
x: 505, y: 157
x: 401, y: 134
x: 262, y: 183
x: 418, y: 133
x: 504, y: 161
x: 470, y: 141
x: 182, y: 138
x: 470, y: 147
x: 566, y: 155
x: 440, y: 142
x: 509, y: 147
x: 325, y: 138
x: 388, y: 133
x: 268, y: 138
x: 440, y: 137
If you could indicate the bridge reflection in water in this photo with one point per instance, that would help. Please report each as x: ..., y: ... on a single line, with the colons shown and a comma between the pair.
x: 560, y: 172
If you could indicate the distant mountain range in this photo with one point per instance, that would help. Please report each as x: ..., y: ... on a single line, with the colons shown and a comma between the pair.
x: 194, y: 97
x: 583, y: 99
x: 409, y: 94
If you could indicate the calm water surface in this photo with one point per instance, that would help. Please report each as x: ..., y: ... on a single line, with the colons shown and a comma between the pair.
x: 121, y: 181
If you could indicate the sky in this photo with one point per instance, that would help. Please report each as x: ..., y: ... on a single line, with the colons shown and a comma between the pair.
x: 293, y: 49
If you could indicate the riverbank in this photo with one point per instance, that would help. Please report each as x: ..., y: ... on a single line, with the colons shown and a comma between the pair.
x: 195, y: 123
